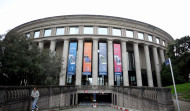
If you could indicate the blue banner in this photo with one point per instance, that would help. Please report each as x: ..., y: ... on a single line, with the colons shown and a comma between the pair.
x: 102, y: 59
x: 72, y: 58
x: 167, y: 62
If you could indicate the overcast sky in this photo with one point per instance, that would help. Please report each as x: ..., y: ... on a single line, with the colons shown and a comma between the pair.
x: 173, y: 16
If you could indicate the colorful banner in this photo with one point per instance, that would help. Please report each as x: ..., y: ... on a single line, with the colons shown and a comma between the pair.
x: 102, y: 59
x: 87, y: 58
x: 72, y: 58
x: 117, y: 59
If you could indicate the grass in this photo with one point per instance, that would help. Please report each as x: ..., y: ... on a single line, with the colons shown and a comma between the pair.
x: 183, y: 90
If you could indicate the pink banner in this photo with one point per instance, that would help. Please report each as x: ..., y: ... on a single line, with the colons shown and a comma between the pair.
x: 117, y: 59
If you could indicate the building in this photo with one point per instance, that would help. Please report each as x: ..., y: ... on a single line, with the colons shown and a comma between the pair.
x: 100, y: 55
x: 102, y: 50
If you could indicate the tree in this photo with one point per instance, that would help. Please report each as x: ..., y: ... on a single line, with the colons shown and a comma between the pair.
x: 167, y: 78
x: 51, y: 68
x: 179, y: 53
x: 22, y: 62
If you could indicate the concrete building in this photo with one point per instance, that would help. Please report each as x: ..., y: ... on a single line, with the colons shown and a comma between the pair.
x: 141, y: 49
x: 104, y: 58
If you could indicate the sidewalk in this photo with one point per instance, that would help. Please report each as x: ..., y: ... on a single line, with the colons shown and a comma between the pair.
x: 184, y: 106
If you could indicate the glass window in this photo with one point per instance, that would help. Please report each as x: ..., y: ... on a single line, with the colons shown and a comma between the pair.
x: 102, y: 30
x: 60, y: 31
x: 47, y: 32
x: 164, y: 43
x: 36, y: 34
x: 150, y: 38
x: 129, y: 33
x: 157, y: 40
x: 74, y: 30
x: 116, y: 32
x: 28, y: 35
x: 140, y: 36
x: 88, y: 30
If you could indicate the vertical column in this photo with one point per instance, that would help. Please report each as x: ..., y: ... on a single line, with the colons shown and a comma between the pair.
x: 137, y: 64
x: 41, y: 45
x: 135, y: 34
x: 31, y: 35
x: 79, y: 61
x: 109, y: 31
x: 62, y: 78
x: 81, y: 29
x: 95, y: 30
x: 148, y: 66
x: 162, y: 55
x: 157, y: 67
x: 124, y: 64
x: 53, y: 31
x: 113, y: 98
x: 116, y: 98
x: 154, y: 39
x: 95, y: 62
x: 67, y: 30
x: 73, y: 99
x: 146, y: 36
x: 41, y: 33
x: 76, y: 99
x: 110, y: 62
x: 123, y: 32
x: 52, y: 45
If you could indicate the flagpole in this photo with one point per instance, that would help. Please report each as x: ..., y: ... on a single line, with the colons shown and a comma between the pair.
x: 174, y: 85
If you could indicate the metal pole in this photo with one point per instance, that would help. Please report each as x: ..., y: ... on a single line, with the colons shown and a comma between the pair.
x: 174, y: 85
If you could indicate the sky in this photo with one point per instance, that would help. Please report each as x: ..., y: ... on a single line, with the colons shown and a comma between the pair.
x: 172, y: 16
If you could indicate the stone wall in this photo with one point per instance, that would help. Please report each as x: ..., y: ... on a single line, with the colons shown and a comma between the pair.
x: 143, y: 98
x: 140, y: 98
x: 19, y: 99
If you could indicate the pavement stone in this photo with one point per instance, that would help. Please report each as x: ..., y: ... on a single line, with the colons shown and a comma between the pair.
x: 184, y: 105
x: 104, y: 108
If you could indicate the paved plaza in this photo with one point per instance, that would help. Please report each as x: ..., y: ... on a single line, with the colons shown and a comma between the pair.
x: 92, y: 109
x: 86, y: 108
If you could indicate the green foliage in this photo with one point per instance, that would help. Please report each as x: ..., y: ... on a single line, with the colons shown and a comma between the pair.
x: 22, y: 62
x: 167, y: 77
x: 52, y: 69
x: 179, y: 53
x: 182, y: 89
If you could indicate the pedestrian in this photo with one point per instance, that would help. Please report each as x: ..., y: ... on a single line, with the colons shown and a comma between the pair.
x: 35, y: 95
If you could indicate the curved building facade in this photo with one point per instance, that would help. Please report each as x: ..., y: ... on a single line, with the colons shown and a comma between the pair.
x: 102, y: 50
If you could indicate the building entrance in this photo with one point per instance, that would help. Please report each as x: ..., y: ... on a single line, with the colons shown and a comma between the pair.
x: 100, y: 99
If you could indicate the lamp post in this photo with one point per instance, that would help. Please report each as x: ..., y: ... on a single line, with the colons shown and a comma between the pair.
x: 3, y: 48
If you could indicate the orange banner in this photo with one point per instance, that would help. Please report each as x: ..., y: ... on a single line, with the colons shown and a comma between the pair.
x: 87, y: 58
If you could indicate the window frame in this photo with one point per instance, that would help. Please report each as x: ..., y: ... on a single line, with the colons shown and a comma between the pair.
x: 163, y: 43
x: 48, y: 33
x: 27, y: 35
x: 129, y: 34
x: 149, y: 38
x: 102, y: 28
x: 138, y: 35
x: 91, y: 27
x: 116, y: 33
x: 38, y: 31
x: 157, y: 40
x: 72, y: 27
x: 60, y: 31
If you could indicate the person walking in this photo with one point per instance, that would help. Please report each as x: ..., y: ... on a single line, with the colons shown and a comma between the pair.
x: 35, y: 95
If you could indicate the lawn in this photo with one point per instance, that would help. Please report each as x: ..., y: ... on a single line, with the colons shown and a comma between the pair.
x: 183, y: 90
